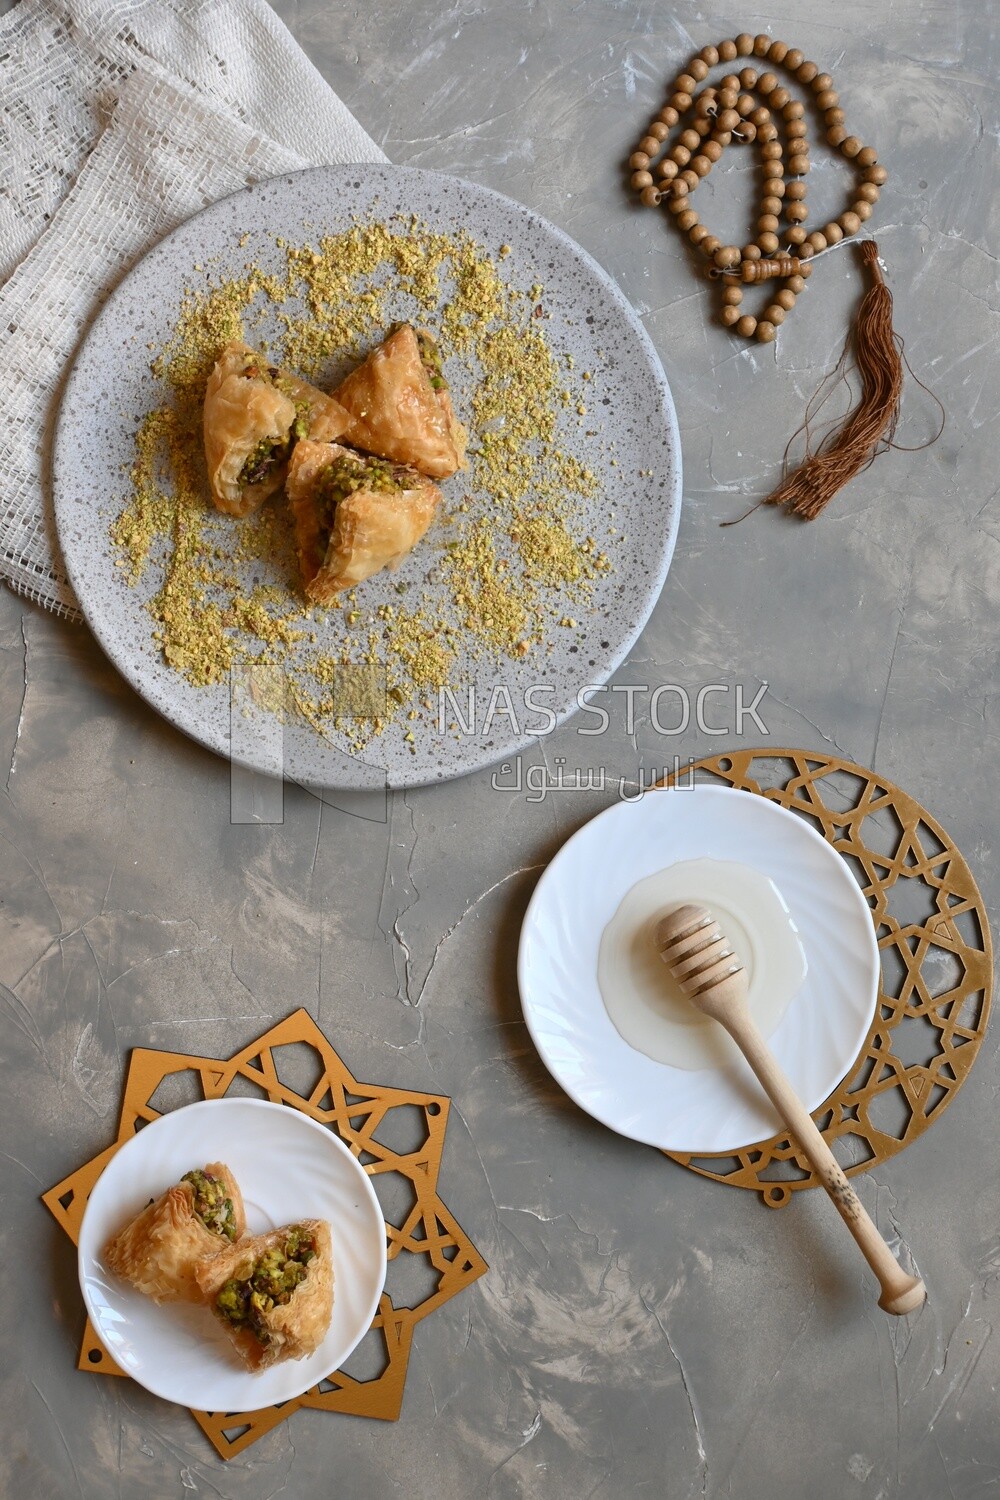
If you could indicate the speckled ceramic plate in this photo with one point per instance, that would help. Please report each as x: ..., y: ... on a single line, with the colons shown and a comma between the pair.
x: 821, y: 1032
x: 289, y: 1167
x: 588, y: 321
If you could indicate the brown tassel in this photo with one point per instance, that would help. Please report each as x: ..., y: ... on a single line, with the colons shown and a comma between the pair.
x: 852, y: 446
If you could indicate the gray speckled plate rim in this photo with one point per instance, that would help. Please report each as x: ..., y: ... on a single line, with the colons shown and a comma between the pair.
x: 479, y: 757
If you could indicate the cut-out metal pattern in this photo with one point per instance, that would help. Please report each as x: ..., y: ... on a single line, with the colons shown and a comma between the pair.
x: 294, y: 1064
x: 937, y: 965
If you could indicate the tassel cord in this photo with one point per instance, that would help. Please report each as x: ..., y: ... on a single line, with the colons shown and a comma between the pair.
x: 848, y: 449
x: 850, y: 444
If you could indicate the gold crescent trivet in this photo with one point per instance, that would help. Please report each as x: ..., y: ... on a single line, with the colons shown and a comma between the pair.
x: 356, y: 1111
x: 937, y: 965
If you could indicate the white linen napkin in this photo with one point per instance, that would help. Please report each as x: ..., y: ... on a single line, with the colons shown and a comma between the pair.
x: 121, y: 118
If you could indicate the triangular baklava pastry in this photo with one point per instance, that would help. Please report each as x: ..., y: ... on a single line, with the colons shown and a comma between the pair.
x: 273, y: 1292
x: 160, y: 1250
x: 400, y: 408
x: 353, y: 515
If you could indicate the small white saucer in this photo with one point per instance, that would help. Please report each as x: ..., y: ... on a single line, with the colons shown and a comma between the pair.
x: 821, y: 1033
x: 289, y: 1167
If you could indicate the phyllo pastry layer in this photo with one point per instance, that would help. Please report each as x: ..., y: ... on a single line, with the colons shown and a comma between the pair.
x: 400, y: 408
x: 273, y: 1292
x: 160, y: 1250
x: 254, y: 414
x: 353, y: 515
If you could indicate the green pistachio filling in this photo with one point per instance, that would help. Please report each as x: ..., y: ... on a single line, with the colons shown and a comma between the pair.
x: 268, y: 1282
x: 300, y: 427
x: 212, y: 1204
x: 265, y: 456
x: 263, y: 459
x: 430, y: 358
x: 345, y: 476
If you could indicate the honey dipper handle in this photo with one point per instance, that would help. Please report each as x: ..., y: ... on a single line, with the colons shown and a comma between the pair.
x: 900, y: 1293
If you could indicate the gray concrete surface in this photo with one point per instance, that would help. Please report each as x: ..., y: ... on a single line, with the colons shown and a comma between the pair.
x: 640, y: 1332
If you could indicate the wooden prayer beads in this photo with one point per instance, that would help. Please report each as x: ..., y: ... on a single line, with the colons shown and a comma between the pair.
x: 744, y: 107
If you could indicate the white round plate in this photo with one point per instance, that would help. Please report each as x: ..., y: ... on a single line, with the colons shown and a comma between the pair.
x: 289, y: 1167
x: 822, y: 1031
x: 633, y: 515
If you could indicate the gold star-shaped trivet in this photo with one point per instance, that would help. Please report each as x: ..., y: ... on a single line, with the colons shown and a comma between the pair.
x: 356, y: 1111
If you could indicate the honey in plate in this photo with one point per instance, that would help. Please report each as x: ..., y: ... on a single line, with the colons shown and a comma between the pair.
x: 644, y: 1002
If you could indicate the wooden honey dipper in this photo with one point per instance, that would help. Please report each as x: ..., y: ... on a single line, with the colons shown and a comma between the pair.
x: 712, y: 976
